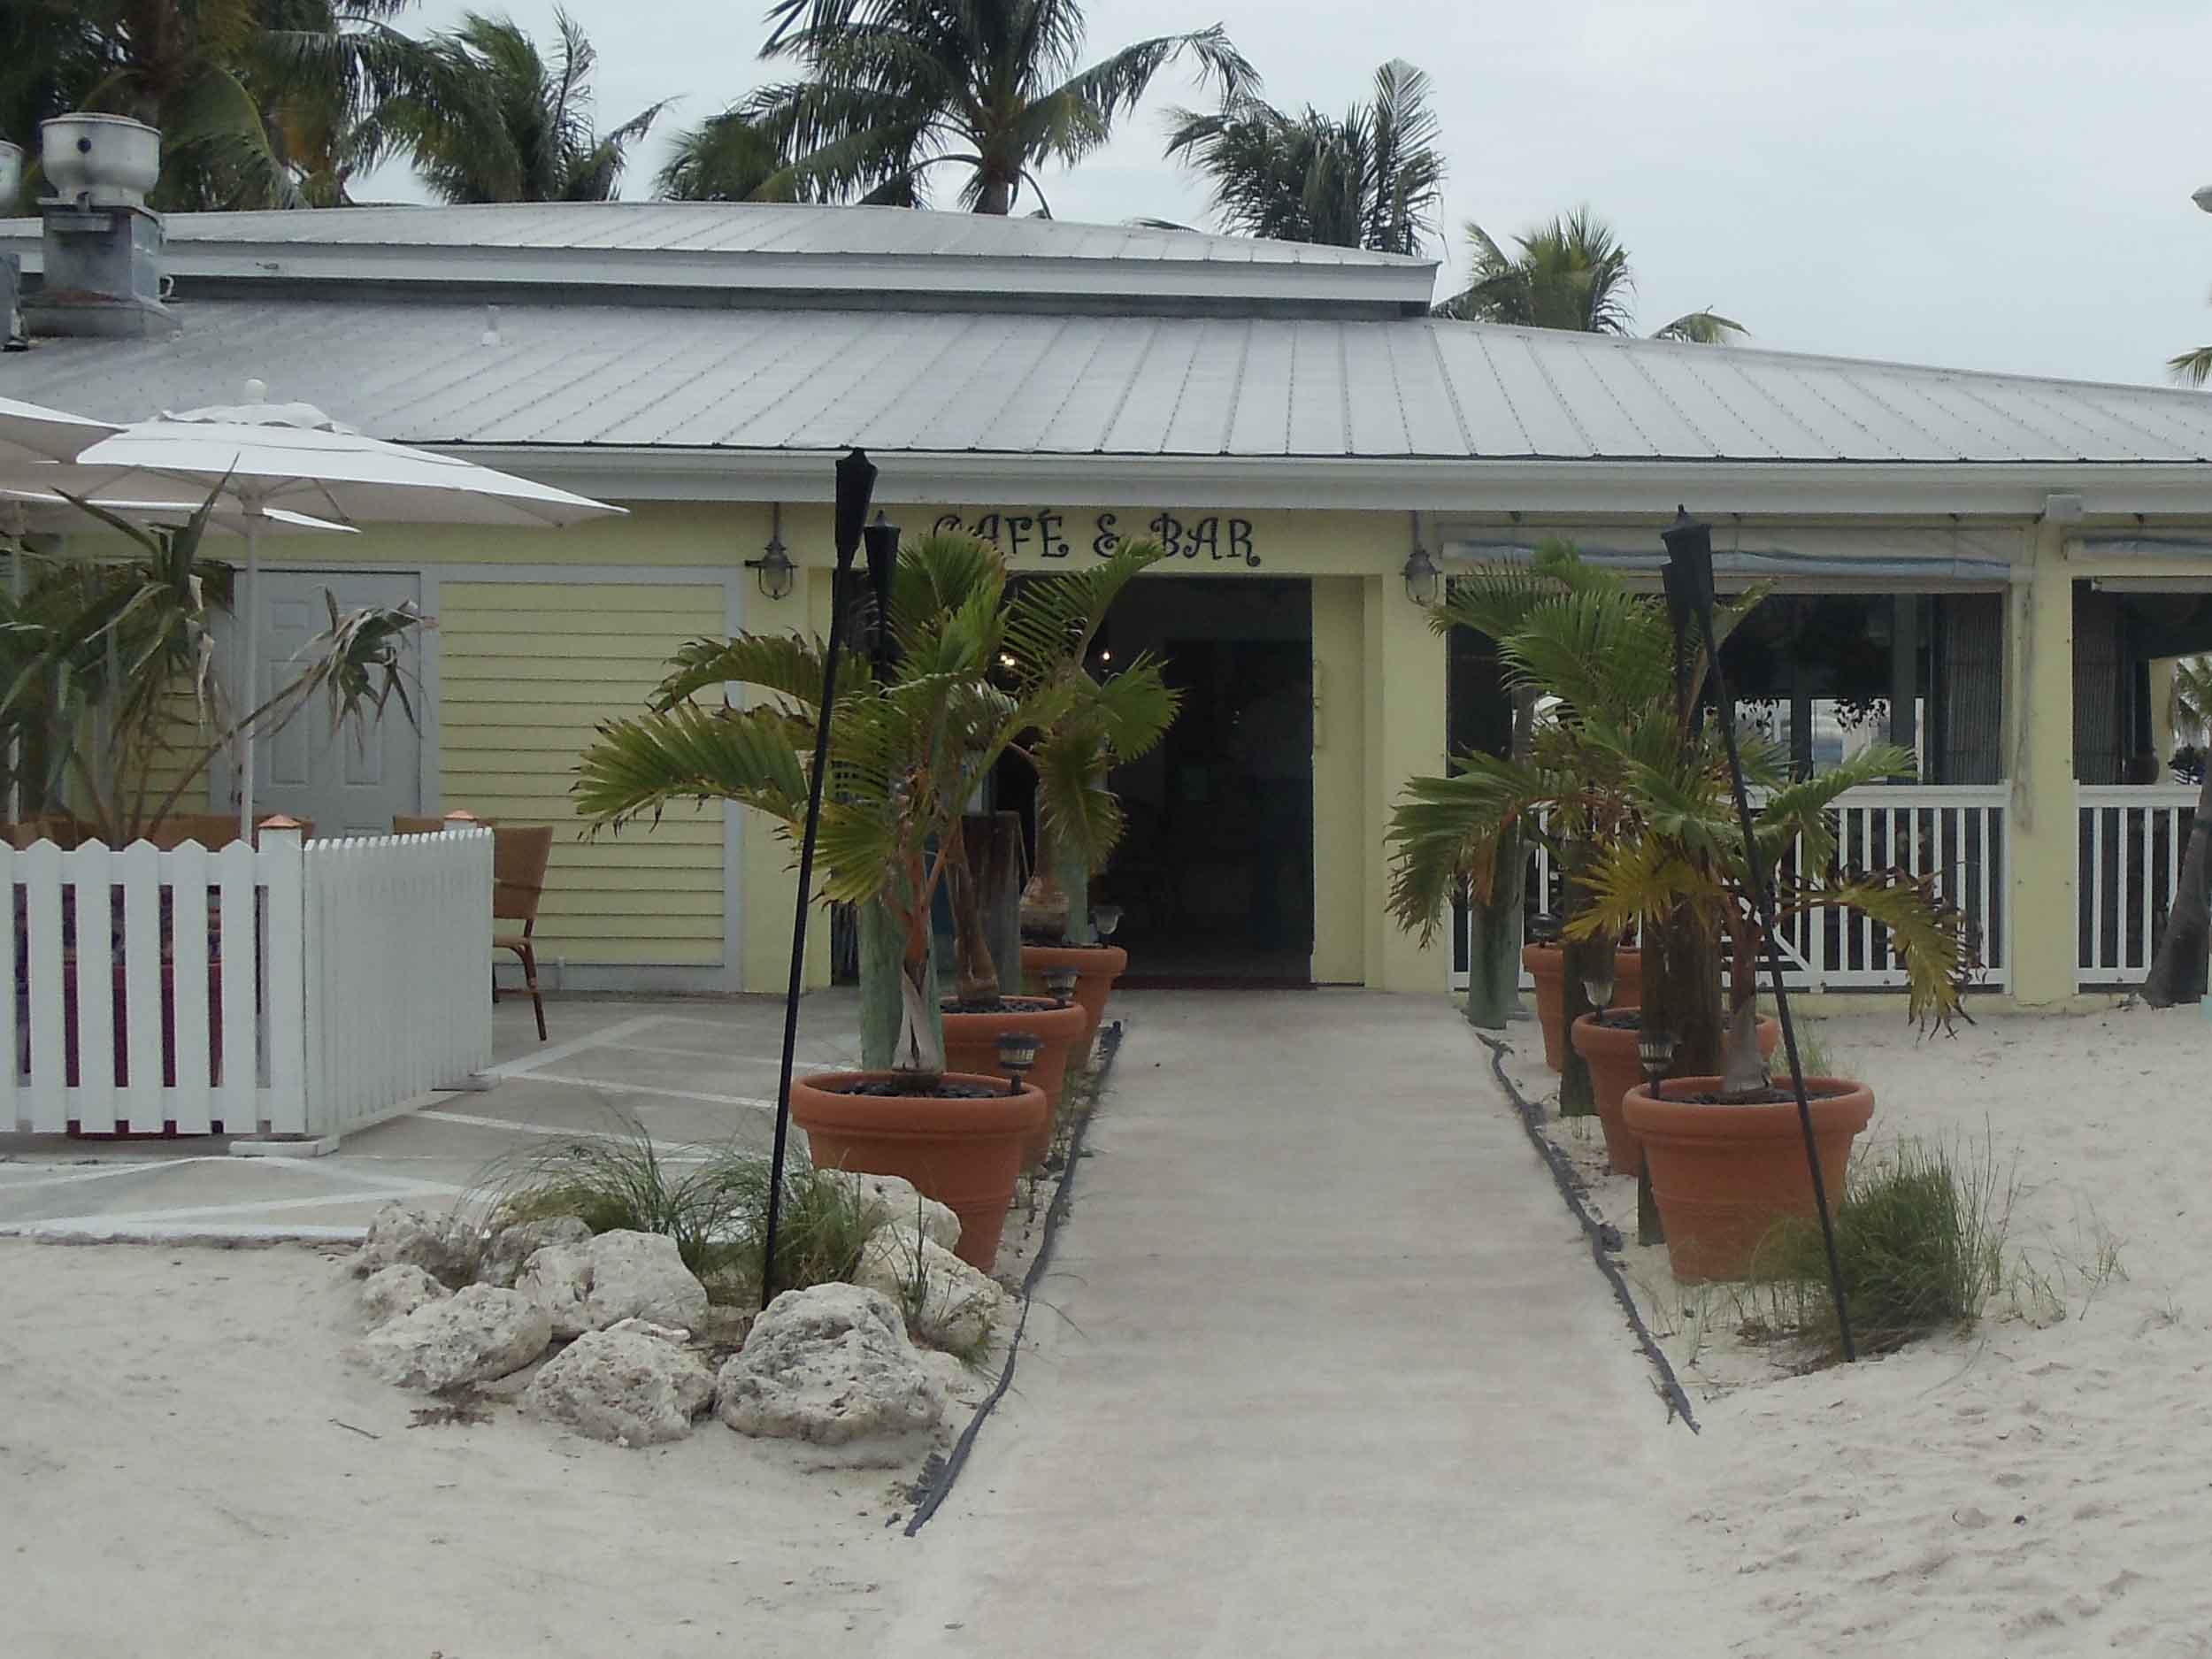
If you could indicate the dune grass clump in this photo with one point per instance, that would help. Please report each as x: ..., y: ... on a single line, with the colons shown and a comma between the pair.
x: 712, y: 1201
x: 1920, y: 1236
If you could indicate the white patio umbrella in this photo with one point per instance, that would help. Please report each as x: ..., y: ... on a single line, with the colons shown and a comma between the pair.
x: 32, y: 434
x: 47, y: 510
x: 267, y: 457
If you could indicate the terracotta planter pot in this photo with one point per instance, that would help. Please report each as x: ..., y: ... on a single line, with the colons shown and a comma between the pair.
x: 1724, y: 1175
x: 1096, y: 967
x: 966, y: 1154
x: 1547, y: 965
x: 1615, y: 1068
x: 972, y: 1046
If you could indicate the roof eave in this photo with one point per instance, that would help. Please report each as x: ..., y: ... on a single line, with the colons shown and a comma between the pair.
x: 1442, y: 484
x: 561, y: 271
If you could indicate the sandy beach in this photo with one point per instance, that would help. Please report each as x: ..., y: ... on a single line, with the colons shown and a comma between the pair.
x: 183, y: 1424
x: 2038, y: 1486
x: 194, y: 1467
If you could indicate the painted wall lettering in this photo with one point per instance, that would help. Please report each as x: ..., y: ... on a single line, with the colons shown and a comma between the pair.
x: 1047, y: 532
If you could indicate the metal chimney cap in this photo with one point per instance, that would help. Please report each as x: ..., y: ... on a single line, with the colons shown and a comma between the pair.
x: 105, y: 160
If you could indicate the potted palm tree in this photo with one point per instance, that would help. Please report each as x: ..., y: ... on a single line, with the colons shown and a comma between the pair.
x: 971, y: 678
x: 1626, y: 757
x: 1097, y: 724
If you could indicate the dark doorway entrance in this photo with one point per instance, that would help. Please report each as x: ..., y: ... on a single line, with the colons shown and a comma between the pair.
x: 1215, y: 874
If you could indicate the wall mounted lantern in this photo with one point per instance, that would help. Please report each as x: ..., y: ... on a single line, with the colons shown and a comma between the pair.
x: 774, y: 564
x: 1423, y: 579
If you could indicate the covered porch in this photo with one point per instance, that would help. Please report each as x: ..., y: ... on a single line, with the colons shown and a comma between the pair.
x: 2028, y: 669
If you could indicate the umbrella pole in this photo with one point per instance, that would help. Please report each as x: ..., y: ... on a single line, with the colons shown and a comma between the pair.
x: 243, y: 746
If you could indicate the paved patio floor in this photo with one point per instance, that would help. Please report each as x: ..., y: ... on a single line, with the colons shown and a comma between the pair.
x: 690, y: 1071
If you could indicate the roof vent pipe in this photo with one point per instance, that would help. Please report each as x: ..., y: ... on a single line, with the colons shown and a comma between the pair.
x: 102, y: 245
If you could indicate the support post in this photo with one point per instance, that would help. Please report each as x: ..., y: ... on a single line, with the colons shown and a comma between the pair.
x: 2044, y: 822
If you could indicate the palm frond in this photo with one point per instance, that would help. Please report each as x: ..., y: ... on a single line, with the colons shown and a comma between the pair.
x: 685, y: 752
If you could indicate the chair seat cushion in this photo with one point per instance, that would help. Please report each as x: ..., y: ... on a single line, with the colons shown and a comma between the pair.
x: 509, y: 941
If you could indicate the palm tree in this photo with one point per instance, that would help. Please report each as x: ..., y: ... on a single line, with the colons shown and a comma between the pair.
x: 997, y: 88
x: 978, y: 675
x: 235, y: 84
x: 1572, y: 273
x: 1635, y: 791
x: 496, y: 122
x: 1371, y: 179
x: 2191, y: 710
x: 112, y: 699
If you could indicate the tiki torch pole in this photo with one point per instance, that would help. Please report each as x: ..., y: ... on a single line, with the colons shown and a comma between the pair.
x: 1690, y: 561
x: 855, y: 484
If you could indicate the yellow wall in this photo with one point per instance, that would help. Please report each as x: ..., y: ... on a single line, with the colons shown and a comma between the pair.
x: 528, y: 667
x: 528, y: 670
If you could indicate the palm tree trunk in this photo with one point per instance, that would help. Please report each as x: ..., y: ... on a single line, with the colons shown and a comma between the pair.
x: 997, y: 195
x: 2178, y: 975
x: 1586, y: 958
x: 1682, y: 992
x: 1493, y: 943
x: 902, y: 1027
x: 975, y: 975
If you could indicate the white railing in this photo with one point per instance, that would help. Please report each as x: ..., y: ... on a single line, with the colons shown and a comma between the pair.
x: 2133, y: 841
x: 172, y: 991
x: 1953, y: 833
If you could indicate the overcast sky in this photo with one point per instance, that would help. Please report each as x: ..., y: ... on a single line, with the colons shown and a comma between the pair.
x: 1965, y: 182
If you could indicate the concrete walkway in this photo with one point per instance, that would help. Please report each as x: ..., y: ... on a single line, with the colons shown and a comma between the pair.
x: 1335, y: 1375
x: 689, y: 1071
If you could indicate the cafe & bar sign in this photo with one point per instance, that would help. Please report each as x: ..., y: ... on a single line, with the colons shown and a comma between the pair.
x: 1047, y: 532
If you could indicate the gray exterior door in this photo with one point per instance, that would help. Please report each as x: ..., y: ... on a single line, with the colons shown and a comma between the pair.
x: 345, y: 782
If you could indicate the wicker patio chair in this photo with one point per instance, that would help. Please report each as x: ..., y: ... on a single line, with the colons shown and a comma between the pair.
x: 519, y: 860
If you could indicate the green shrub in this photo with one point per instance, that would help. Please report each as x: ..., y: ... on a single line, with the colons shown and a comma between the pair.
x: 1919, y: 1236
x: 714, y: 1206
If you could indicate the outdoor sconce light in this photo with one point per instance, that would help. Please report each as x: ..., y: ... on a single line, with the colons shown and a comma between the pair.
x: 1061, y: 983
x: 774, y: 564
x: 1105, y: 919
x: 1656, y: 1050
x: 1017, y: 1051
x: 1423, y: 579
x: 1599, y: 987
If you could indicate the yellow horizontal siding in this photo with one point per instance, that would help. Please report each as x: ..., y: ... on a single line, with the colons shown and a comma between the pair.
x: 527, y: 672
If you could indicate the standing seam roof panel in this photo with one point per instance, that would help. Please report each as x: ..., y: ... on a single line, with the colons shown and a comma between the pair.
x: 1080, y: 425
x: 844, y: 353
x: 1142, y: 424
x: 1209, y: 391
x: 1801, y: 396
x: 975, y: 414
x: 894, y: 393
x: 1897, y: 417
x: 1261, y: 425
x: 1714, y: 395
x: 1375, y: 413
x: 1314, y: 423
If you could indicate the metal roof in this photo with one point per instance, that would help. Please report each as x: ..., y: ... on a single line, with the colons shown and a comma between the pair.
x: 708, y: 251
x: 771, y: 380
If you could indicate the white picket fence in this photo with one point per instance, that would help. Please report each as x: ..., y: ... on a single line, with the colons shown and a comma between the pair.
x: 286, y: 989
x: 2133, y: 841
x: 1955, y: 833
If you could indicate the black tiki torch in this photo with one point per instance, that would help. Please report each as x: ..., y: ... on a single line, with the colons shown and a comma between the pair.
x: 856, y: 485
